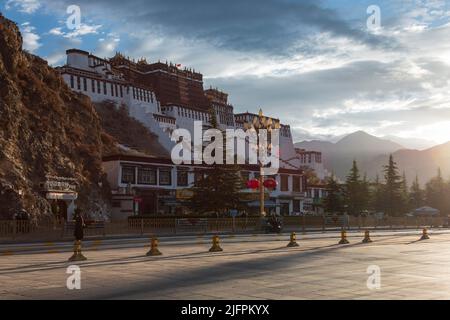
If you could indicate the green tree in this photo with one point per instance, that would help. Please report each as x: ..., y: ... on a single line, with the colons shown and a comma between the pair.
x: 355, y: 195
x: 333, y: 202
x: 365, y: 193
x: 218, y: 189
x: 436, y: 193
x: 392, y: 196
x: 376, y: 199
x: 416, y: 195
x: 404, y: 193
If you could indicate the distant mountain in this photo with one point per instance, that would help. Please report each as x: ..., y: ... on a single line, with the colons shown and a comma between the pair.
x: 359, y: 145
x: 362, y: 143
x: 424, y: 163
x: 372, y: 154
x: 412, y: 143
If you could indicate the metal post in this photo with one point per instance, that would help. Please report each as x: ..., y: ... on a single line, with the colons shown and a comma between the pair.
x: 261, y: 192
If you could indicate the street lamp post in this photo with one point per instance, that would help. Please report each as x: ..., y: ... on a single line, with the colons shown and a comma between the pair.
x: 261, y: 122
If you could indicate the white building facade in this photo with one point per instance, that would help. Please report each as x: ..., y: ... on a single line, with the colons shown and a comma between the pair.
x: 156, y: 183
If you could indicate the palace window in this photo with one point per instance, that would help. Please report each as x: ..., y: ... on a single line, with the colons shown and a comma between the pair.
x: 117, y: 91
x: 71, y: 82
x: 93, y: 85
x: 151, y: 97
x: 112, y: 90
x: 99, y: 90
x: 134, y: 93
x: 104, y: 88
x: 121, y: 91
x: 182, y: 178
x: 284, y: 182
x: 147, y: 176
x: 296, y: 183
x: 85, y: 84
x: 128, y: 175
x: 78, y: 83
x: 165, y: 177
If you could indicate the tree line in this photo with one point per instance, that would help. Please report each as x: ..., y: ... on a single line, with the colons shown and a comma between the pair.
x: 390, y: 195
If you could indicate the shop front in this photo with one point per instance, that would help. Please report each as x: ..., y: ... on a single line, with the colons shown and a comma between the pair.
x: 61, y: 194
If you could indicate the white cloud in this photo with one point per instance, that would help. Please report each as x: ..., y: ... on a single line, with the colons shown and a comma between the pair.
x: 56, y: 59
x: 327, y: 83
x: 25, y: 6
x: 83, y: 30
x: 56, y: 31
x: 30, y: 38
x: 107, y: 47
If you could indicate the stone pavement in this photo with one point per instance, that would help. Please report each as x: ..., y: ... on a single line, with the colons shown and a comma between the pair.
x: 259, y: 269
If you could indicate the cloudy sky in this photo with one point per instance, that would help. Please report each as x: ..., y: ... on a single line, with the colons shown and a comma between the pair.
x: 314, y: 64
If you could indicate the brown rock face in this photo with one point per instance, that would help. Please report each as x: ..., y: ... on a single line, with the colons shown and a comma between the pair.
x: 45, y: 129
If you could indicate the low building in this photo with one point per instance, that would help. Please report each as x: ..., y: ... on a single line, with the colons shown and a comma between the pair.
x: 316, y: 193
x: 312, y: 160
x: 145, y: 185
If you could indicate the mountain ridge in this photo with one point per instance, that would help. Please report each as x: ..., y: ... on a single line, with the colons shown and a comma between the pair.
x: 359, y: 146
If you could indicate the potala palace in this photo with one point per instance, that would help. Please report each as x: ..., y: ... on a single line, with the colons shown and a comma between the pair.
x: 164, y: 97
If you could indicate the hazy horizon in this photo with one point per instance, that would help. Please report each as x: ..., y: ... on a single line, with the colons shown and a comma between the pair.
x: 408, y: 143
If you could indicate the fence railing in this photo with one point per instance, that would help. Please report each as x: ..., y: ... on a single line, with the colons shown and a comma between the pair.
x: 54, y: 230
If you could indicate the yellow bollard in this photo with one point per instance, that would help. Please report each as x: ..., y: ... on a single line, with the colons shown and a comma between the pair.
x: 77, y: 255
x: 425, y: 235
x: 343, y: 237
x: 293, y: 241
x: 215, y: 245
x: 154, y: 248
x: 367, y: 237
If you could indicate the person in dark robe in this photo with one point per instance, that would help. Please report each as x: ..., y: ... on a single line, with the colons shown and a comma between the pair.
x: 79, y: 225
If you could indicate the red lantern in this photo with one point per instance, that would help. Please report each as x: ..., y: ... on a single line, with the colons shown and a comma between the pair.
x: 270, y: 183
x: 253, y: 184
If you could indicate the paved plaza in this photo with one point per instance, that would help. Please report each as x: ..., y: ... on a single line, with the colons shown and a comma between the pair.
x: 250, y: 267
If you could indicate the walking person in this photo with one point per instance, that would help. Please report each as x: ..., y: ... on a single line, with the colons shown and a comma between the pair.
x: 79, y: 235
x: 79, y: 225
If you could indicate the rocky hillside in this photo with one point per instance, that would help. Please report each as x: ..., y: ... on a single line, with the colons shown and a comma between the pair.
x: 45, y: 129
x: 127, y: 130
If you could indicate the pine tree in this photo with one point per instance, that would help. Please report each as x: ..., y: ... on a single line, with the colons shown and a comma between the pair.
x: 219, y: 189
x: 436, y: 193
x: 354, y: 195
x: 404, y: 193
x: 333, y: 202
x: 376, y: 200
x: 365, y: 193
x: 416, y: 197
x: 392, y: 196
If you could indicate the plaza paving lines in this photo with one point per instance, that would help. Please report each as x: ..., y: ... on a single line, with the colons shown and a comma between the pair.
x: 318, y: 269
